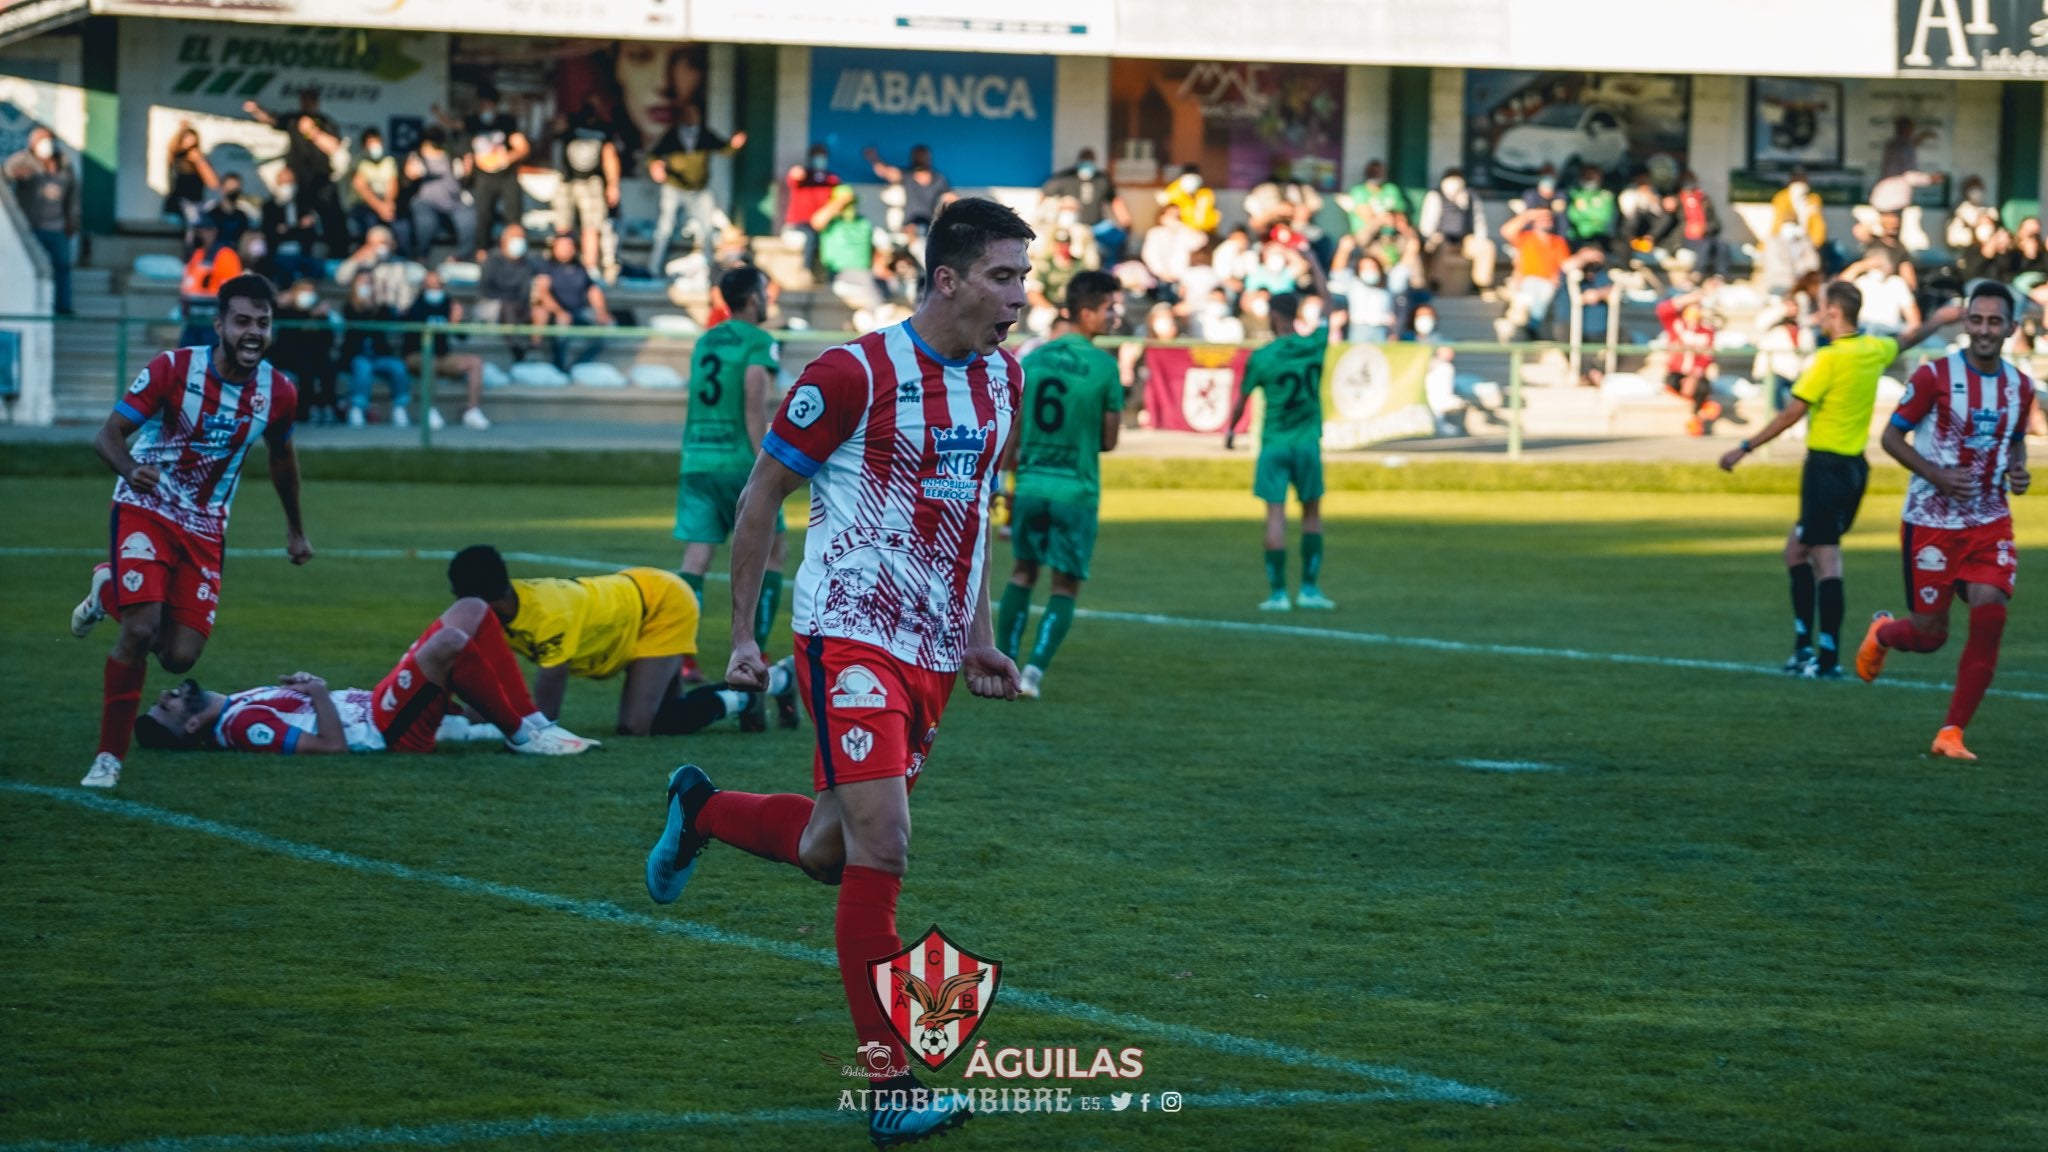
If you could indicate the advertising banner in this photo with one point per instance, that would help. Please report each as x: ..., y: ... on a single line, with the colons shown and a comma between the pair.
x: 1518, y: 123
x: 636, y: 19
x: 1238, y: 122
x: 1374, y: 392
x: 1192, y: 389
x: 1064, y: 26
x: 2007, y: 38
x: 987, y: 117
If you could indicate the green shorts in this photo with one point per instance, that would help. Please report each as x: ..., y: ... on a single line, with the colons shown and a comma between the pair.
x: 1282, y: 465
x: 1059, y: 534
x: 706, y: 505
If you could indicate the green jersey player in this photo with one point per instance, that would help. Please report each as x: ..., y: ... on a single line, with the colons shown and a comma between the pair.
x: 732, y: 398
x: 1290, y: 370
x: 1073, y: 400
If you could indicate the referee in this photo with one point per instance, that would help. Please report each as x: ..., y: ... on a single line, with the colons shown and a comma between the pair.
x: 1835, y: 395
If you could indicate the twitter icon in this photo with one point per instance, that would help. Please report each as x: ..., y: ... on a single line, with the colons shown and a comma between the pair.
x: 1120, y: 1100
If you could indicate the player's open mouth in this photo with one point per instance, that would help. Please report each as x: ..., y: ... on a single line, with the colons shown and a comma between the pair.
x: 1003, y: 330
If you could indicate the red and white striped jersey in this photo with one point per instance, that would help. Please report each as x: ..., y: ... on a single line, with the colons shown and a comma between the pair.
x: 275, y: 719
x: 196, y: 429
x: 900, y: 446
x: 1960, y: 419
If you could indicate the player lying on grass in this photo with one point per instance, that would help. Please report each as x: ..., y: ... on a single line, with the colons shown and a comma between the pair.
x: 462, y: 655
x: 640, y: 621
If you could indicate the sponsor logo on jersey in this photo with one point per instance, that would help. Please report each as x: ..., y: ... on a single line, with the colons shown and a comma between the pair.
x: 858, y: 742
x: 131, y: 580
x: 959, y: 450
x: 141, y: 384
x: 138, y: 546
x: 390, y: 701
x: 806, y: 404
x: 909, y: 393
x: 2006, y: 557
x: 856, y: 687
x: 1983, y: 429
x: 261, y: 735
x: 1930, y: 559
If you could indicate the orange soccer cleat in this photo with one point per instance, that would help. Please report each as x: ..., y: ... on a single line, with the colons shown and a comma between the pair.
x: 1710, y: 411
x: 1871, y: 653
x: 1948, y: 744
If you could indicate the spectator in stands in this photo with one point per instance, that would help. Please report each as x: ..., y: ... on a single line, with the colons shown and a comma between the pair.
x: 1883, y: 238
x: 681, y: 164
x: 920, y: 189
x: 1688, y: 371
x: 373, y: 190
x: 1780, y: 350
x: 438, y: 197
x: 504, y: 287
x: 290, y: 227
x: 806, y: 188
x: 1587, y: 269
x: 1540, y: 254
x: 193, y: 180
x: 854, y: 254
x: 1169, y: 248
x: 1799, y: 205
x: 434, y: 308
x: 1375, y: 203
x: 1889, y: 305
x: 1195, y: 200
x: 370, y: 353
x: 1987, y: 257
x: 1210, y: 317
x: 1700, y: 228
x: 1646, y: 222
x: 232, y: 213
x: 566, y: 294
x: 211, y: 265
x: 254, y: 251
x: 2027, y: 267
x: 1543, y: 194
x: 1234, y: 257
x: 395, y: 279
x: 1368, y: 306
x: 497, y: 148
x: 1053, y: 268
x: 1972, y: 213
x: 47, y: 187
x: 1787, y: 256
x: 304, y: 349
x: 311, y: 140
x: 1452, y: 224
x: 1087, y: 191
x: 1282, y: 269
x: 1281, y: 199
x: 1591, y: 213
x: 591, y: 167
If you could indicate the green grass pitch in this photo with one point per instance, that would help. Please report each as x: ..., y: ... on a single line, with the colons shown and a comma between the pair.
x: 1737, y: 911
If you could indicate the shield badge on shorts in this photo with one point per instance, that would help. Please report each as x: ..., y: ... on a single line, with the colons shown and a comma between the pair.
x: 935, y: 994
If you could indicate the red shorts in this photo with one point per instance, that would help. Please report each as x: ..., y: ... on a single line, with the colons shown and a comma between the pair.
x: 876, y: 716
x: 406, y: 706
x: 157, y: 562
x: 1938, y: 559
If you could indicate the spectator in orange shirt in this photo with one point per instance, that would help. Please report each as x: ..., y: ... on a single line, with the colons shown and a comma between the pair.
x: 211, y: 265
x: 1540, y: 254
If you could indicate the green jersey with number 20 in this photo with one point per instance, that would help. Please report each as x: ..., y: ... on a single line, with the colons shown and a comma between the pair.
x: 1069, y: 384
x: 715, y: 433
x: 1290, y: 369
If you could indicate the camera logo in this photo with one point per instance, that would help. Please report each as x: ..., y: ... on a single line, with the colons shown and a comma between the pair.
x: 1169, y: 1101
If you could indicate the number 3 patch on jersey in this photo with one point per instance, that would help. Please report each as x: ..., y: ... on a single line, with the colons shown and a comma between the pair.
x: 806, y: 404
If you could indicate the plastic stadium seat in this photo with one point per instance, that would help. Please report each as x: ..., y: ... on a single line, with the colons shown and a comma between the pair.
x: 157, y: 266
x: 656, y: 376
x: 597, y: 376
x: 539, y: 374
x: 494, y: 376
x: 673, y: 322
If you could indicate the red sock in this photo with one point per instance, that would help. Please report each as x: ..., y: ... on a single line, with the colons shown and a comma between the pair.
x: 1901, y: 635
x: 121, y: 692
x: 1980, y: 660
x: 770, y: 827
x: 865, y: 930
x: 488, y: 641
x: 477, y: 678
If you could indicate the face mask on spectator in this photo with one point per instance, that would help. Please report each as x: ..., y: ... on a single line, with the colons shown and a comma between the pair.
x: 1453, y: 186
x: 1311, y: 317
x: 43, y: 148
x: 1162, y: 328
x: 307, y: 299
x: 1085, y: 170
x: 1424, y: 325
x: 1974, y: 196
x: 374, y: 151
x: 1276, y: 262
x: 819, y: 162
x: 1068, y: 217
x: 364, y: 294
x: 257, y: 248
x: 230, y: 193
x: 1799, y: 190
x: 434, y: 296
x: 1256, y: 305
x: 1190, y: 181
x: 1370, y: 277
x: 1546, y: 187
x: 515, y: 247
x: 285, y: 192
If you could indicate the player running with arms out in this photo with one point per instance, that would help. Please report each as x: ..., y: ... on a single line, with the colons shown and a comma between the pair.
x: 463, y: 654
x: 732, y: 398
x: 1073, y: 402
x: 1835, y: 395
x: 1290, y: 370
x: 199, y: 411
x: 899, y: 434
x: 1967, y: 416
x: 639, y: 621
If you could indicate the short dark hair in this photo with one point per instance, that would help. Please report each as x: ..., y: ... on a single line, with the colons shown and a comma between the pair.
x: 248, y: 286
x: 478, y: 571
x: 372, y: 133
x: 1283, y: 308
x: 1995, y: 291
x: 963, y: 230
x: 1844, y: 295
x: 1088, y: 290
x: 740, y: 285
x: 158, y: 736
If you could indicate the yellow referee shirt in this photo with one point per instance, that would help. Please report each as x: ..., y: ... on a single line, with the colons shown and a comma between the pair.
x: 596, y: 625
x: 1840, y: 391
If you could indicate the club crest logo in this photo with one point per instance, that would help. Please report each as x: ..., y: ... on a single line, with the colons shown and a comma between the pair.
x: 261, y: 735
x: 959, y: 450
x: 1929, y: 595
x: 1205, y: 397
x: 141, y: 384
x: 857, y: 687
x: 137, y: 547
x: 935, y: 995
x: 857, y: 743
x: 131, y: 580
x: 1930, y: 559
x: 390, y: 701
x: 404, y: 679
x: 258, y: 401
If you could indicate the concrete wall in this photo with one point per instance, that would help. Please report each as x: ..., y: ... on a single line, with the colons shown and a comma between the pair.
x: 1366, y: 119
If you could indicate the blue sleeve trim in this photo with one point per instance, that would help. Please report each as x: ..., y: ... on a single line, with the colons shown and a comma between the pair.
x: 291, y: 741
x: 1901, y: 423
x: 125, y: 409
x: 790, y: 455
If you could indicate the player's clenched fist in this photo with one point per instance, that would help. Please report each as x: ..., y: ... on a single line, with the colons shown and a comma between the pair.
x: 144, y: 478
x: 990, y: 674
x: 746, y: 670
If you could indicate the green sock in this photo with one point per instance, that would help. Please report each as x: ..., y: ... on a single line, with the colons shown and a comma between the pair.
x: 764, y: 609
x: 1059, y: 616
x: 696, y: 582
x: 1011, y: 615
x: 1311, y: 559
x: 1276, y: 569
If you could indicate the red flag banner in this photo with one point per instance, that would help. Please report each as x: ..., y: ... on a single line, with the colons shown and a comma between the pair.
x: 1192, y: 389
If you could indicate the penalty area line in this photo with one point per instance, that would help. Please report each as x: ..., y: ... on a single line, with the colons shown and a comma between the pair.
x: 1411, y: 1085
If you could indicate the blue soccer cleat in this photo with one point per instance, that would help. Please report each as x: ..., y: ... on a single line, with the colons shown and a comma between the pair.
x: 674, y: 856
x: 894, y: 1125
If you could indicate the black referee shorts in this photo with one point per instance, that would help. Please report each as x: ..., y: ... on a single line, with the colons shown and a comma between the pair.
x: 1830, y: 490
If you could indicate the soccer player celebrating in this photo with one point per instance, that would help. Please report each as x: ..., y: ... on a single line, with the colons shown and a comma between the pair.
x: 1967, y: 414
x: 732, y: 379
x: 1835, y: 395
x: 463, y: 654
x: 899, y: 434
x: 199, y: 411
x: 640, y: 621
x: 1290, y: 370
x: 1072, y: 405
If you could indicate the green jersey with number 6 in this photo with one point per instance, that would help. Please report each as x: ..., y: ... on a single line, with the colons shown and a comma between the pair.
x: 1069, y: 384
x: 715, y: 434
x: 1290, y: 369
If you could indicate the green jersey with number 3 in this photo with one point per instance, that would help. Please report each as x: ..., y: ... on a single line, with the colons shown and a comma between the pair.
x: 715, y: 434
x: 1290, y: 369
x: 1069, y: 384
